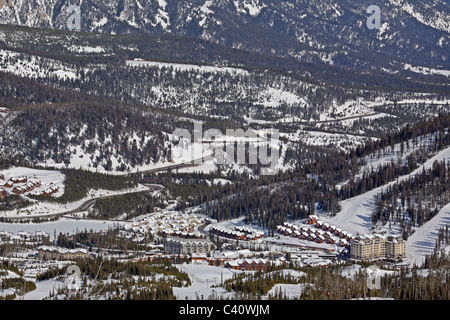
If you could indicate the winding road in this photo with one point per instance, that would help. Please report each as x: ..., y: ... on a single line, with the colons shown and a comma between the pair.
x: 188, y: 164
x: 86, y: 205
x: 91, y: 202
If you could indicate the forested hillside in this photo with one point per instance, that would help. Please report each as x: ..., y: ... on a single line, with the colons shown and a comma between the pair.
x: 319, y: 31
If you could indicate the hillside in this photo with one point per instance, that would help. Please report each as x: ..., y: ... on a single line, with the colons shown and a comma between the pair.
x: 310, y: 31
x: 273, y: 135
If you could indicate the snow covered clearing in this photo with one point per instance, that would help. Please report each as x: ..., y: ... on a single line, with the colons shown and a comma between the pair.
x: 425, y: 70
x: 43, y: 289
x: 31, y: 66
x: 86, y: 49
x: 186, y: 67
x: 348, y: 109
x: 64, y: 225
x: 324, y: 139
x: 203, y: 277
x: 291, y: 291
x: 384, y: 157
x: 273, y: 97
x: 351, y: 271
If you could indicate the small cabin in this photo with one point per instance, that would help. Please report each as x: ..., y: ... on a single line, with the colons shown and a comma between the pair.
x: 9, y: 184
x: 312, y: 219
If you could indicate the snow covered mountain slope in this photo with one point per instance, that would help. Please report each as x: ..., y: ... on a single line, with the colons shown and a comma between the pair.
x: 422, y: 242
x: 327, y: 31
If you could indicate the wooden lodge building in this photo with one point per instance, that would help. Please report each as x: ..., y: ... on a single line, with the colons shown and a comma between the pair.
x: 57, y: 253
x: 253, y: 264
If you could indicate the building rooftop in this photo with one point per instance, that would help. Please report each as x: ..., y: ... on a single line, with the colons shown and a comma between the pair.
x: 62, y: 250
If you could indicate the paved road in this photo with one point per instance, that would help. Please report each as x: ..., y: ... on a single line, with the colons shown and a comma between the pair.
x: 86, y: 205
x: 188, y: 164
x: 151, y: 188
x: 359, y: 116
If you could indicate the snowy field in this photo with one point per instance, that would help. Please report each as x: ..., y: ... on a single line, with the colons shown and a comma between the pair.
x: 425, y: 70
x: 206, y: 280
x: 323, y: 139
x: 63, y: 225
x: 185, y: 67
x: 351, y: 271
x: 11, y: 62
x: 272, y: 97
x: 85, y: 49
x: 182, y: 152
x: 43, y: 289
x: 203, y: 278
x: 348, y: 109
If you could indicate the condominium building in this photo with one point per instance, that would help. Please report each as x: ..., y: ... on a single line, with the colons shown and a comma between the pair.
x: 378, y: 247
x: 56, y: 253
x: 176, y: 245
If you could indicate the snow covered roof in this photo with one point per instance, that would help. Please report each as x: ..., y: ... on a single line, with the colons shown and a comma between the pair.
x: 62, y: 250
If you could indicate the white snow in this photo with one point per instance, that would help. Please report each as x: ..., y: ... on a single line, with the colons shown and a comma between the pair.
x: 425, y: 70
x: 43, y: 289
x: 86, y: 49
x: 355, y: 215
x: 162, y: 17
x: 252, y: 7
x: 185, y: 67
x: 435, y: 19
x: 292, y: 291
x: 64, y: 225
x: 423, y: 240
x: 48, y: 178
x: 203, y: 277
x: 318, y: 138
x: 100, y: 23
x: 30, y: 67
x: 41, y: 208
x: 273, y: 97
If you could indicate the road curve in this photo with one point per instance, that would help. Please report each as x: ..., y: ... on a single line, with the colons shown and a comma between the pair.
x: 151, y: 188
x: 86, y: 205
x: 188, y: 164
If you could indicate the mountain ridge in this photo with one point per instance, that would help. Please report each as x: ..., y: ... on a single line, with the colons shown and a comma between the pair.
x: 310, y: 31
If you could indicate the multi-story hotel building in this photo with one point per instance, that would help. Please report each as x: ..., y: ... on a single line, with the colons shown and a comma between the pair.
x: 175, y: 245
x: 378, y: 247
